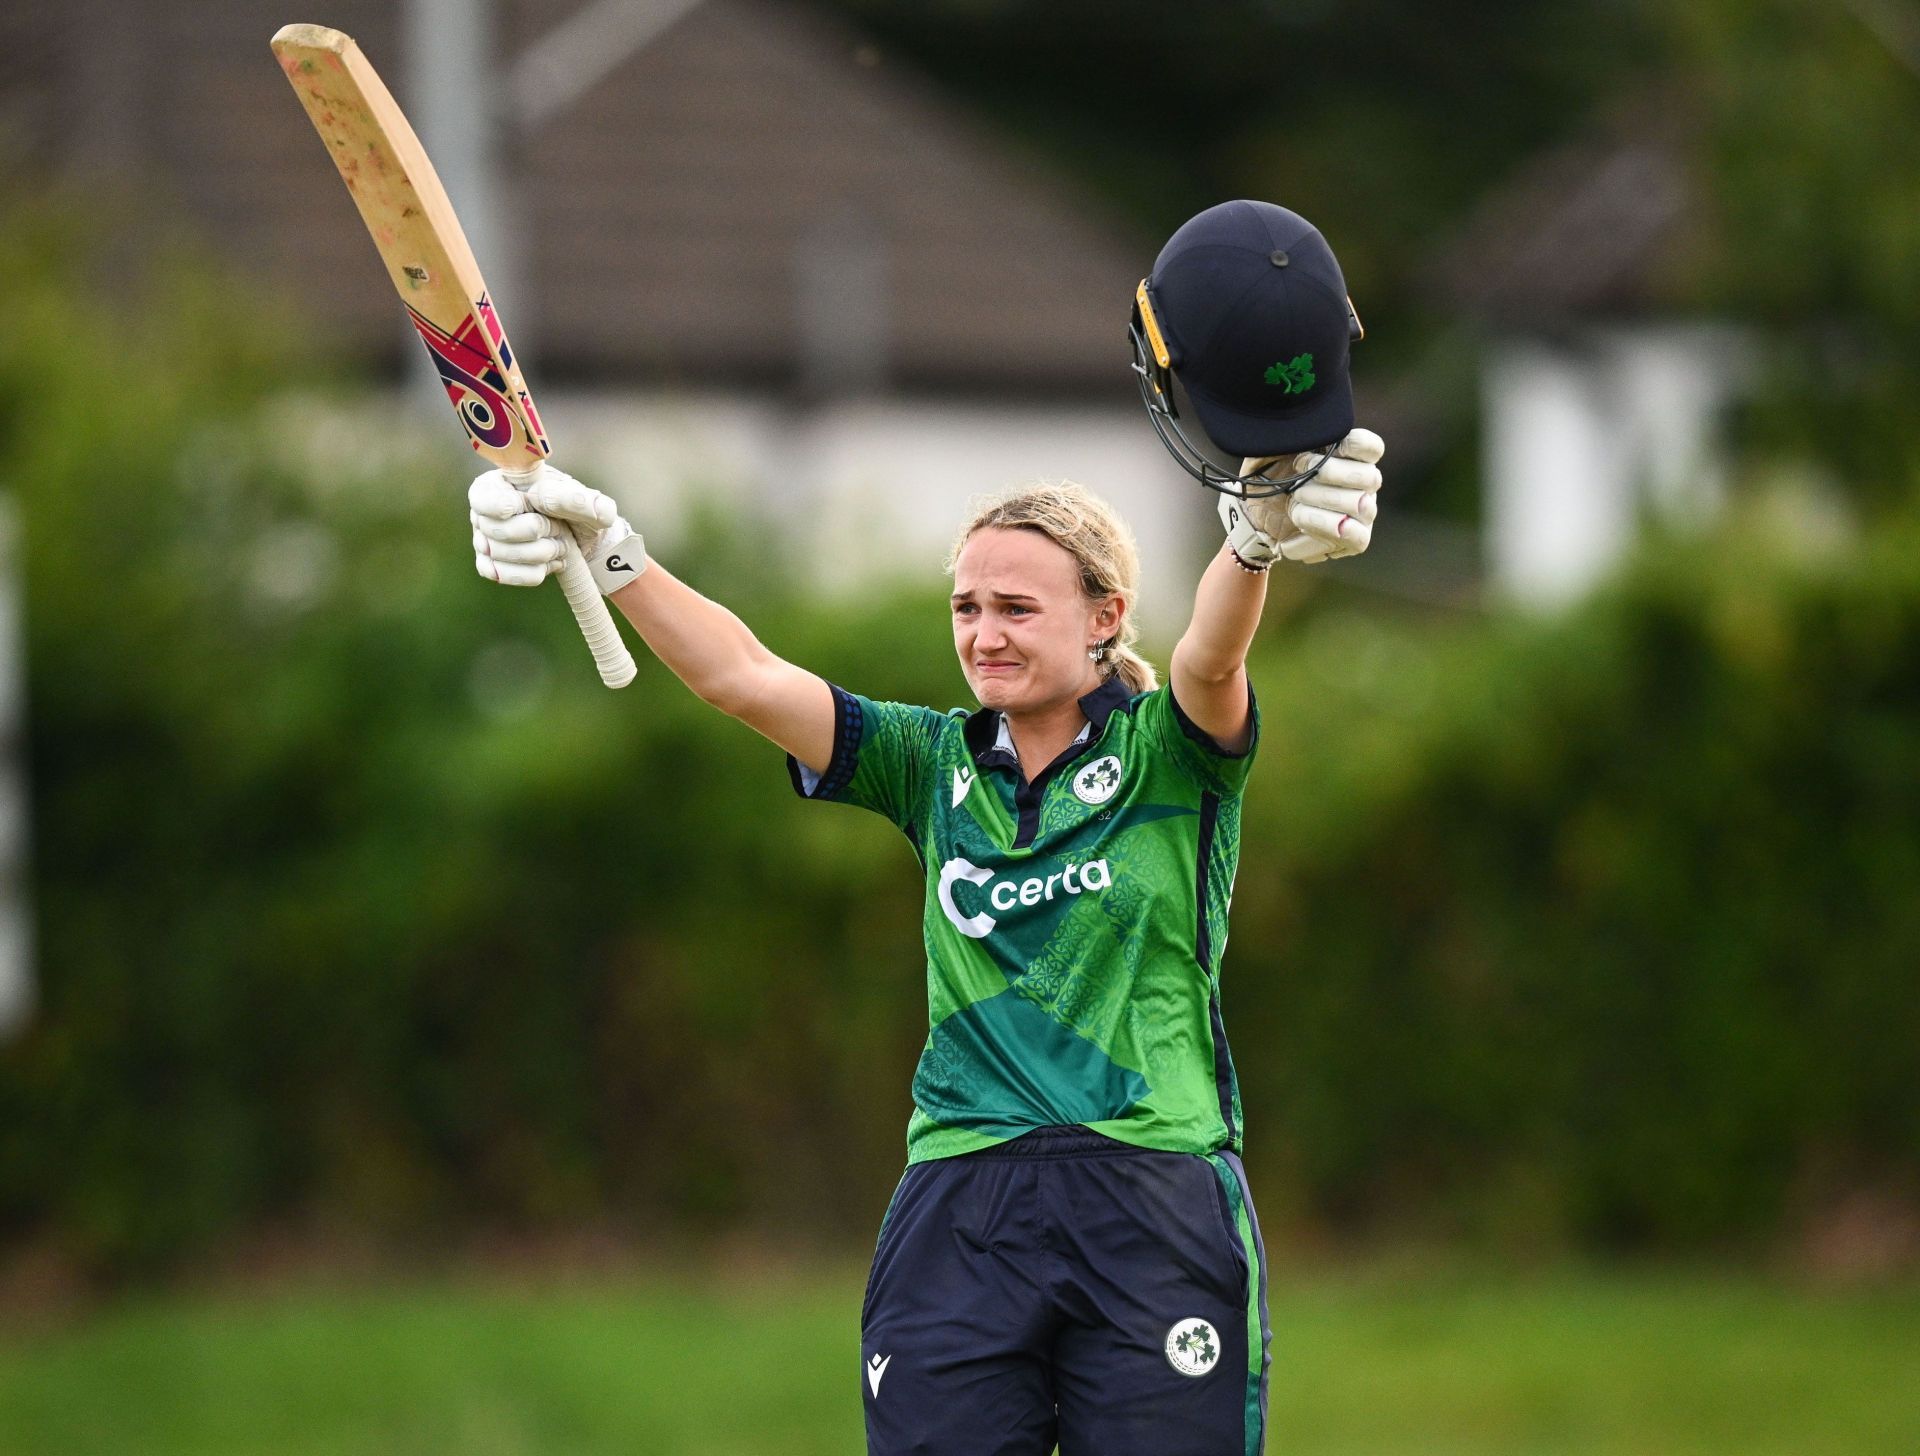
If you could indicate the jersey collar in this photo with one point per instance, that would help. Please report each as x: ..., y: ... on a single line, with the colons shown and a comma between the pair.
x: 991, y: 743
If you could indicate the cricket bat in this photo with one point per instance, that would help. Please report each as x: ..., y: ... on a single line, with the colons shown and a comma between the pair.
x: 433, y: 269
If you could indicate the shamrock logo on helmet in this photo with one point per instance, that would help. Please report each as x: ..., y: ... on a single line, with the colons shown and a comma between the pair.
x: 1296, y: 374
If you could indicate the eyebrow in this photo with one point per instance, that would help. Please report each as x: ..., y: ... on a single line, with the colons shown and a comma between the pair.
x: 967, y: 596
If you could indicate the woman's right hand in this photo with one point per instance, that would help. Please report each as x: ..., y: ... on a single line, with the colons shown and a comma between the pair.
x: 517, y: 530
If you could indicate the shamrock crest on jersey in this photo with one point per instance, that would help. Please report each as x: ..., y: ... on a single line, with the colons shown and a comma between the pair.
x: 1096, y: 783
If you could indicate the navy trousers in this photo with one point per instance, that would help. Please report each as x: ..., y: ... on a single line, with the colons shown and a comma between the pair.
x: 1067, y: 1289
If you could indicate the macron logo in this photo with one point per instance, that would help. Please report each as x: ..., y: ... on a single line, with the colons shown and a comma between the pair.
x: 962, y: 781
x: 876, y: 1367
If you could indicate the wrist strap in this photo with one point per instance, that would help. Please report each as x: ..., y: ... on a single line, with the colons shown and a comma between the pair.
x: 620, y: 564
x: 1252, y: 548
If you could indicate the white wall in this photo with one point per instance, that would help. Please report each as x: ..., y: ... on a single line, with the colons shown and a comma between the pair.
x: 1588, y: 437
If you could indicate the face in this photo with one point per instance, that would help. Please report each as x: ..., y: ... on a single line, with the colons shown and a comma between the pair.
x: 1021, y: 624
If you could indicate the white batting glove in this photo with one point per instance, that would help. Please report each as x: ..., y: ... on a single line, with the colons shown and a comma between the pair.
x: 1329, y: 517
x: 516, y: 530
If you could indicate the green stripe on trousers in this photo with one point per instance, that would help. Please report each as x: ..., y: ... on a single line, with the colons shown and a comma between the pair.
x: 1257, y: 1354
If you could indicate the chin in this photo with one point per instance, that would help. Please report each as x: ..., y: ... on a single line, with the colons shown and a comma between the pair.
x: 998, y: 692
x: 1023, y: 694
x: 991, y: 693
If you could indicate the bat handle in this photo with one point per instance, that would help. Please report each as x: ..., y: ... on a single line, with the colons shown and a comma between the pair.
x: 610, y: 654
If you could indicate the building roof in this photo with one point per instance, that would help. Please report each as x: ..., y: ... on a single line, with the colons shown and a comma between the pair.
x: 1596, y: 228
x: 755, y: 197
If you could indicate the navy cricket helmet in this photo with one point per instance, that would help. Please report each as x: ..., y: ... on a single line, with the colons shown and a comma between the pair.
x: 1246, y: 306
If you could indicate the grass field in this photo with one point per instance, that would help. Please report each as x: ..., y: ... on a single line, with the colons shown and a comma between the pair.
x: 1570, y: 1364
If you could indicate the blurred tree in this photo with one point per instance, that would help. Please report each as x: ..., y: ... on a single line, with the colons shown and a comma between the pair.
x: 1806, y: 111
x: 1380, y: 122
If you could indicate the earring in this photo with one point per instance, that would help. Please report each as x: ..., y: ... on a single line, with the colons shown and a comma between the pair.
x: 1097, y: 653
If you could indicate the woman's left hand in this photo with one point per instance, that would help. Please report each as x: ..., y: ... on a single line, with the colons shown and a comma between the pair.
x: 1329, y: 517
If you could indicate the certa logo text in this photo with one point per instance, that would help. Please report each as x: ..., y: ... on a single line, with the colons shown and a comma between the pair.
x: 1007, y: 894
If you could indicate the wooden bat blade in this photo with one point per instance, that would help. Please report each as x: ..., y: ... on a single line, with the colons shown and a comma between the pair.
x: 432, y: 268
x: 418, y: 237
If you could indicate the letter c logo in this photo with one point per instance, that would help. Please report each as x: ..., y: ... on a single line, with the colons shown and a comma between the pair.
x: 962, y: 869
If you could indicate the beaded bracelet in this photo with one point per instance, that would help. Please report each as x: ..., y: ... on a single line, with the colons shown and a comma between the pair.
x: 1241, y: 562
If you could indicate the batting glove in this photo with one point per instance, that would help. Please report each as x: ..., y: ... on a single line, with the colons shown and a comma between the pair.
x: 1329, y: 517
x: 516, y: 530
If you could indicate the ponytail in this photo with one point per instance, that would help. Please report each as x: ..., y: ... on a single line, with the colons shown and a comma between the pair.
x: 1131, y: 668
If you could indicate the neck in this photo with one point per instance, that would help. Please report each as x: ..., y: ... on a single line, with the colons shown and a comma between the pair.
x: 1040, y: 735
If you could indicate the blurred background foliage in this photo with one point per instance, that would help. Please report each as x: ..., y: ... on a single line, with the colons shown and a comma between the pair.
x: 362, y: 908
x: 1388, y: 126
x: 1385, y: 125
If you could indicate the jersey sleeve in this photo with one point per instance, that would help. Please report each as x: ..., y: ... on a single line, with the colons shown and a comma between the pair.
x: 881, y: 757
x: 1191, y: 748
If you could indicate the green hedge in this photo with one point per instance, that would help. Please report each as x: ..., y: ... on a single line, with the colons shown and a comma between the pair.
x: 1597, y: 932
x: 1603, y: 929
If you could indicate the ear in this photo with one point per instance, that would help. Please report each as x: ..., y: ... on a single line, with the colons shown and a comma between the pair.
x: 1107, y: 617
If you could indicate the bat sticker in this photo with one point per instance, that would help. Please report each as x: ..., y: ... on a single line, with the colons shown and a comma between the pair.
x: 484, y: 307
x: 475, y: 384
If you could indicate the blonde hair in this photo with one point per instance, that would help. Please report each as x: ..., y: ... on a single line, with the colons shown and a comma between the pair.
x: 1090, y: 531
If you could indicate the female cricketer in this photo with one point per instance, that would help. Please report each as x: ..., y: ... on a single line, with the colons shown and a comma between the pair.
x: 1071, y: 1257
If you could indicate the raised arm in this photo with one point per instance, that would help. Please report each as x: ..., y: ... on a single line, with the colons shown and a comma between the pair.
x: 706, y: 646
x: 1329, y: 517
x: 1209, y: 669
x: 715, y: 653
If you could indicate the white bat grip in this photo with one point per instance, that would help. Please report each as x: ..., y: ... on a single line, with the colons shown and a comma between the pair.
x: 610, y: 654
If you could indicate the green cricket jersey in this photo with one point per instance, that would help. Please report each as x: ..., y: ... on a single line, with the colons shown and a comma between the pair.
x: 1074, y: 925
